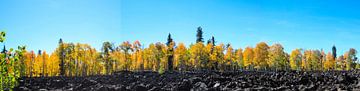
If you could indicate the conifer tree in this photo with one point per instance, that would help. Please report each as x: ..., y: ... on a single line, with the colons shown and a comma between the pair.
x: 199, y: 35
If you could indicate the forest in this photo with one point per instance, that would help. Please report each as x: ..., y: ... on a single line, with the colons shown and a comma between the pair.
x: 80, y: 59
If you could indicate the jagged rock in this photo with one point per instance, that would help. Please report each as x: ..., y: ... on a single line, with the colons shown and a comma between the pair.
x: 199, y: 86
x: 185, y: 85
x: 216, y: 85
x: 199, y: 81
x: 43, y: 90
x: 140, y: 87
x: 22, y: 89
x: 231, y: 85
x: 194, y: 80
x: 155, y: 89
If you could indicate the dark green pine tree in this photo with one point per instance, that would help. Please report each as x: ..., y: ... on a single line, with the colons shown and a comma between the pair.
x: 169, y: 40
x: 62, y: 57
x: 334, y: 52
x: 4, y: 50
x: 42, y: 71
x: 213, y: 40
x: 209, y: 41
x: 170, y: 44
x: 199, y: 36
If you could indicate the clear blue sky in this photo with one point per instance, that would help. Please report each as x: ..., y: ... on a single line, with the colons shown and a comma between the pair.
x: 308, y: 24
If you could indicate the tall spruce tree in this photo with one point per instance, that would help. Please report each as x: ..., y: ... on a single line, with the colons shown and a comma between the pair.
x: 170, y: 43
x: 213, y: 40
x: 199, y: 36
x: 334, y: 52
x: 169, y: 40
x: 62, y: 57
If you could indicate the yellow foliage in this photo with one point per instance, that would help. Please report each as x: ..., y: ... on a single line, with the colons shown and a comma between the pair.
x: 330, y: 62
x: 239, y: 58
x: 181, y: 57
x: 295, y: 59
x: 248, y: 57
x: 261, y: 55
x: 197, y: 53
x: 277, y: 57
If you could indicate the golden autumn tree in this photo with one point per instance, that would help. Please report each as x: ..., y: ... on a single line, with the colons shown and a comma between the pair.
x: 239, y: 59
x: 161, y: 63
x: 340, y: 62
x: 76, y: 55
x: 29, y: 63
x: 181, y: 57
x: 45, y: 59
x: 152, y: 56
x: 70, y: 59
x: 53, y: 65
x: 229, y: 59
x: 83, y: 62
x: 322, y: 59
x: 351, y: 59
x: 212, y: 54
x: 305, y: 63
x: 248, y: 58
x: 316, y: 60
x: 38, y: 64
x: 107, y: 48
x: 219, y: 52
x: 215, y: 55
x: 312, y: 60
x: 209, y: 51
x: 95, y: 63
x: 295, y: 59
x: 277, y: 57
x: 84, y: 59
x: 346, y: 61
x: 119, y: 58
x: 197, y: 52
x: 137, y: 63
x: 330, y: 62
x: 261, y: 56
x: 147, y: 58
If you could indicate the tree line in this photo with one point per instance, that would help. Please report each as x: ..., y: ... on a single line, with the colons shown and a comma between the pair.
x: 76, y: 59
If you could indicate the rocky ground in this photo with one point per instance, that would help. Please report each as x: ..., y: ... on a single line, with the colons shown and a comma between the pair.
x: 199, y: 81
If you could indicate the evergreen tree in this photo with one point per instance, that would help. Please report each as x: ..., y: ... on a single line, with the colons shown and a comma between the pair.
x: 169, y: 40
x: 170, y: 45
x: 62, y: 57
x: 334, y: 52
x: 213, y: 41
x: 4, y: 50
x: 199, y: 35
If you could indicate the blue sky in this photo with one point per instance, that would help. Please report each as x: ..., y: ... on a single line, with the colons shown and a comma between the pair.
x: 308, y: 24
